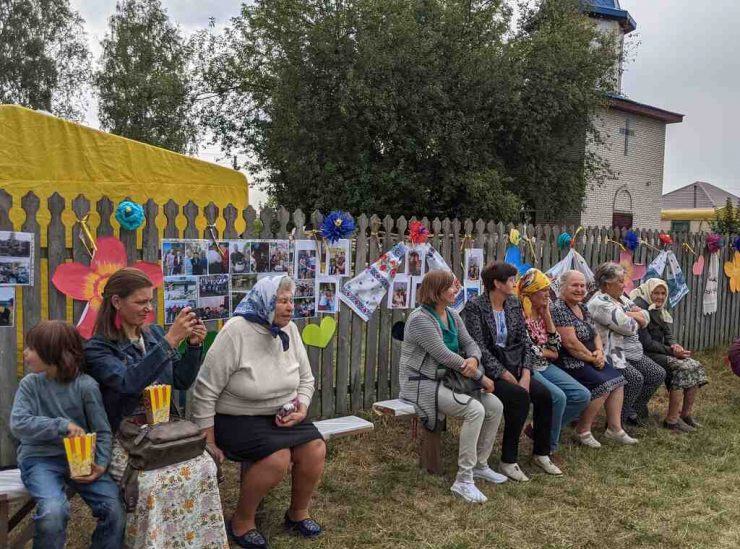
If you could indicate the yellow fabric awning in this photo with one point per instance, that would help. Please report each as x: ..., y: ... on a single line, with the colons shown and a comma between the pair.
x: 691, y: 214
x: 45, y: 154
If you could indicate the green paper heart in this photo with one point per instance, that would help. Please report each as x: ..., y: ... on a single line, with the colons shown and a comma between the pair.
x: 317, y: 335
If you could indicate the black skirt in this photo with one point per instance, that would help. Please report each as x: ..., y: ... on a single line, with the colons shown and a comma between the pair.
x: 252, y: 438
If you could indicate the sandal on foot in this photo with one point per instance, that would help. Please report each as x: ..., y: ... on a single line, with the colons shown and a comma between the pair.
x: 253, y: 539
x: 307, y: 528
x: 587, y: 439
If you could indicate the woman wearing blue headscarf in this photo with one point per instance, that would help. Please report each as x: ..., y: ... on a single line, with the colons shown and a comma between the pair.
x: 256, y: 366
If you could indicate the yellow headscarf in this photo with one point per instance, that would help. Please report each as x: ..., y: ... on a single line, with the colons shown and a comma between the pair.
x: 532, y: 282
x: 645, y: 291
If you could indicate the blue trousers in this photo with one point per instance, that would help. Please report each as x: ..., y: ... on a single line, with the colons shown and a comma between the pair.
x: 45, y: 479
x: 569, y: 398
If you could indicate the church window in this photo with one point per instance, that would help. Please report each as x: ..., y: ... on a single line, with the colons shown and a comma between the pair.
x: 627, y: 132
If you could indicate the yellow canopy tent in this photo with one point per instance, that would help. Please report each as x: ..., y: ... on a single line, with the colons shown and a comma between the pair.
x: 45, y: 154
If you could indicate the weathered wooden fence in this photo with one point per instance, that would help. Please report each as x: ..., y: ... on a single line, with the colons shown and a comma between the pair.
x: 360, y: 365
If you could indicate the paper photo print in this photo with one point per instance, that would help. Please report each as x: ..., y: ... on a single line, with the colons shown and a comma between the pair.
x: 179, y: 292
x: 473, y: 264
x: 415, y: 261
x: 7, y: 306
x: 239, y: 257
x: 260, y: 256
x: 414, y: 288
x: 398, y: 293
x: 218, y: 258
x: 16, y: 258
x: 327, y: 298
x: 338, y: 260
x: 213, y: 308
x: 184, y: 257
x: 306, y: 260
x: 471, y: 290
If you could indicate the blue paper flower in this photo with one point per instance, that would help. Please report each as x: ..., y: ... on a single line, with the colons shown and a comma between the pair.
x: 337, y: 225
x: 564, y: 240
x: 130, y: 215
x: 631, y: 241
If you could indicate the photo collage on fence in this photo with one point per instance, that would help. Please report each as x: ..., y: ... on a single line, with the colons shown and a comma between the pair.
x: 473, y: 268
x: 213, y: 277
x: 16, y: 269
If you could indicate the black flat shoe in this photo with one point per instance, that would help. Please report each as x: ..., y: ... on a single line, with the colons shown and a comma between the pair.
x: 636, y: 421
x: 253, y: 539
x: 307, y: 528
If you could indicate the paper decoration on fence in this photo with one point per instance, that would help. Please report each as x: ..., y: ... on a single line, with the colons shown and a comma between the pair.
x: 319, y: 335
x: 398, y: 296
x: 337, y: 226
x: 473, y: 266
x: 337, y: 259
x: 85, y: 283
x: 364, y: 292
x: 564, y: 240
x: 632, y: 272
x: 709, y: 300
x: 665, y: 239
x: 130, y: 215
x: 572, y: 261
x: 732, y: 270
x: 418, y: 233
x: 7, y: 306
x: 327, y: 294
x: 16, y: 258
x: 514, y: 256
x: 631, y: 241
x: 698, y: 267
x: 666, y: 261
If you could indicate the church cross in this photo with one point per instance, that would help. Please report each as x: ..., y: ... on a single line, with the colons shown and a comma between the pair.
x: 626, y: 132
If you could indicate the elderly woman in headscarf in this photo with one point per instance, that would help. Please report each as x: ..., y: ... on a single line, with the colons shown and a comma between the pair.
x: 684, y: 375
x: 618, y: 321
x: 569, y: 397
x: 251, y: 399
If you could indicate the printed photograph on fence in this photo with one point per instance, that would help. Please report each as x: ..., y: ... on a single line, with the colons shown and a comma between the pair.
x: 471, y: 290
x: 304, y: 288
x: 213, y: 285
x: 7, y: 306
x: 414, y: 286
x: 326, y: 294
x: 398, y: 293
x: 304, y: 307
x: 337, y: 258
x: 459, y: 300
x: 260, y: 256
x: 243, y: 283
x: 305, y: 260
x: 213, y: 308
x: 218, y: 257
x: 184, y: 257
x: 236, y: 298
x: 179, y: 292
x: 239, y: 257
x: 415, y: 261
x: 280, y: 257
x: 16, y: 258
x: 473, y: 264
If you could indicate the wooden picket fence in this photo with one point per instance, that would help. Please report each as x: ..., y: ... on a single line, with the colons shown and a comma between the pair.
x: 360, y: 365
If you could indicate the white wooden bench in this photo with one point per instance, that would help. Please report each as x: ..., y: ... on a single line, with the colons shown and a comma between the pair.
x: 430, y: 453
x: 13, y: 492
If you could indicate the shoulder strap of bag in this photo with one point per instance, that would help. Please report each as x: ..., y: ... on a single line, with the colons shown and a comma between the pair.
x: 129, y: 485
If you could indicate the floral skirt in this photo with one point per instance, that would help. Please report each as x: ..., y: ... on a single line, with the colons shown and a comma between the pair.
x: 179, y: 505
x: 685, y: 373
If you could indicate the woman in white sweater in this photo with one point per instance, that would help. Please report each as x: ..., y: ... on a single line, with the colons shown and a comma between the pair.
x: 256, y: 366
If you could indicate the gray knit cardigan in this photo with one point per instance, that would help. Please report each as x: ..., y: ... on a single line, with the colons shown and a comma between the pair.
x: 423, y: 351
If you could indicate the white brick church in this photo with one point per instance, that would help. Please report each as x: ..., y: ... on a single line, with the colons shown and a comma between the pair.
x: 634, y: 135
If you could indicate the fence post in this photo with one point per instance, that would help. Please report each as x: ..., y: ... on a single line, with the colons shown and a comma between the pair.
x: 8, y: 353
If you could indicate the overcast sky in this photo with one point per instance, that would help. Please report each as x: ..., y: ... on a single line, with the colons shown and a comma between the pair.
x: 685, y: 61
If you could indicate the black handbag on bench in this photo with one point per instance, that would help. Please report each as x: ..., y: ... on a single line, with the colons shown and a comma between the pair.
x: 512, y: 357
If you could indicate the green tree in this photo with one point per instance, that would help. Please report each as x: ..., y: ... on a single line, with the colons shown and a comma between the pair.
x: 44, y: 60
x: 143, y: 82
x: 727, y: 219
x: 428, y: 107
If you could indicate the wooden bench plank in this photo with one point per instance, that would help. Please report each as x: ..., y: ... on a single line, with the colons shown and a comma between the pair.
x: 343, y: 426
x: 395, y: 407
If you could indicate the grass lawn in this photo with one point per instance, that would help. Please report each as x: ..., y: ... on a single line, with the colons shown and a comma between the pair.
x: 668, y: 491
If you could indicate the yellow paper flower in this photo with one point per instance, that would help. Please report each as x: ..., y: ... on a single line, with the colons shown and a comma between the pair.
x: 732, y: 270
x: 514, y: 237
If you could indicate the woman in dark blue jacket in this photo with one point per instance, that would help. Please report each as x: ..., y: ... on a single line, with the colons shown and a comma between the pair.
x: 126, y: 355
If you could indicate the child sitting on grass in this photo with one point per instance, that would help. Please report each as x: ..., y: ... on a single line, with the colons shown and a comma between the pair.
x: 54, y: 401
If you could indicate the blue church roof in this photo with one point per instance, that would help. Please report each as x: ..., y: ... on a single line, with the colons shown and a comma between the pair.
x: 610, y: 9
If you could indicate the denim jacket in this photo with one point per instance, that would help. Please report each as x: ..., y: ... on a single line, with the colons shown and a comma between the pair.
x: 123, y: 371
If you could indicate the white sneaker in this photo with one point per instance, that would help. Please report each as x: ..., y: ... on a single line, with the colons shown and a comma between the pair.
x: 489, y: 475
x: 622, y: 437
x: 544, y: 463
x: 587, y: 439
x: 513, y: 471
x: 469, y: 492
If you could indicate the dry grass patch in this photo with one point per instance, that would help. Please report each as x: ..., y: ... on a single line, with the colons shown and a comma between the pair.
x: 668, y: 491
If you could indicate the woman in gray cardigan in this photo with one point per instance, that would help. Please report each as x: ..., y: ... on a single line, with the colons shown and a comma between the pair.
x: 435, y: 340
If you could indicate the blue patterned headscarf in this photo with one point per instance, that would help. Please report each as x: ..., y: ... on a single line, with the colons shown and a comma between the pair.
x: 259, y: 305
